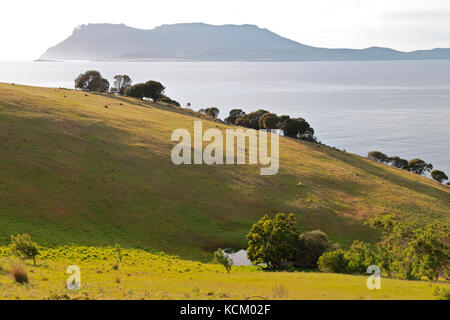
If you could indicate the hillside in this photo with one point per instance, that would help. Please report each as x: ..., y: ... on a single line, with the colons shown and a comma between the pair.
x: 203, y: 42
x: 74, y: 171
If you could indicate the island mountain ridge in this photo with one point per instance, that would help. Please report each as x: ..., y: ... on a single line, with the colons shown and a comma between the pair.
x: 203, y: 42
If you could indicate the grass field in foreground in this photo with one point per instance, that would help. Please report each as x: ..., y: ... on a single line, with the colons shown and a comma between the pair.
x: 143, y: 275
x: 88, y: 169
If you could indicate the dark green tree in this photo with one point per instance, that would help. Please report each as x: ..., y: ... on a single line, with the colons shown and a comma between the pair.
x: 91, y: 81
x: 212, y: 112
x: 273, y: 241
x: 378, y: 156
x: 268, y: 121
x: 419, y: 166
x: 398, y: 162
x: 439, y: 176
x: 311, y: 245
x: 151, y: 89
x: 234, y: 114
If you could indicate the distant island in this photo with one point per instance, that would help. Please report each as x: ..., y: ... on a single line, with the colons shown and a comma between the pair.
x: 203, y: 42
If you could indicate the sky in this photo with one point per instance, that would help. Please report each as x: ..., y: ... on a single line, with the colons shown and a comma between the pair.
x: 28, y: 28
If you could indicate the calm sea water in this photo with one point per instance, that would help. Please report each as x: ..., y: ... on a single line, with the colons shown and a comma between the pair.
x: 399, y: 107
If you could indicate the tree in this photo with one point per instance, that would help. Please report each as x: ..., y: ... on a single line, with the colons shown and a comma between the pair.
x: 121, y: 83
x: 234, y: 115
x: 439, y: 176
x: 223, y: 259
x: 378, y: 156
x: 151, y: 89
x: 408, y: 250
x: 359, y: 257
x: 251, y: 120
x: 91, y: 81
x: 419, y: 166
x: 212, y: 112
x: 22, y: 246
x: 310, y: 247
x: 104, y: 87
x: 268, y: 121
x: 398, y: 162
x: 296, y: 128
x: 273, y: 241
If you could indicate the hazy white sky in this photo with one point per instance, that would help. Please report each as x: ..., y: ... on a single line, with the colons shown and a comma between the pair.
x: 28, y: 28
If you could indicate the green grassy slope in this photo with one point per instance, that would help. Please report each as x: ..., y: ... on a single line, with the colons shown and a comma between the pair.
x: 143, y: 275
x: 73, y: 171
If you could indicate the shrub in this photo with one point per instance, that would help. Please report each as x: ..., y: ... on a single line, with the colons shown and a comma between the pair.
x: 273, y: 241
x: 442, y: 293
x: 23, y: 247
x: 439, y: 176
x: 223, y: 259
x: 333, y: 261
x: 167, y: 100
x: 311, y: 245
x: 19, y: 274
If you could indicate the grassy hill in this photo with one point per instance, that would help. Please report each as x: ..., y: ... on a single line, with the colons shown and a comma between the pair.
x: 143, y: 275
x: 74, y: 171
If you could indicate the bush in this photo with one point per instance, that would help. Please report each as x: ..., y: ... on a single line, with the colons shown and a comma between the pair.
x: 442, y: 293
x: 19, y: 274
x: 167, y: 100
x: 311, y: 246
x: 333, y: 261
x: 23, y: 247
x: 223, y: 259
